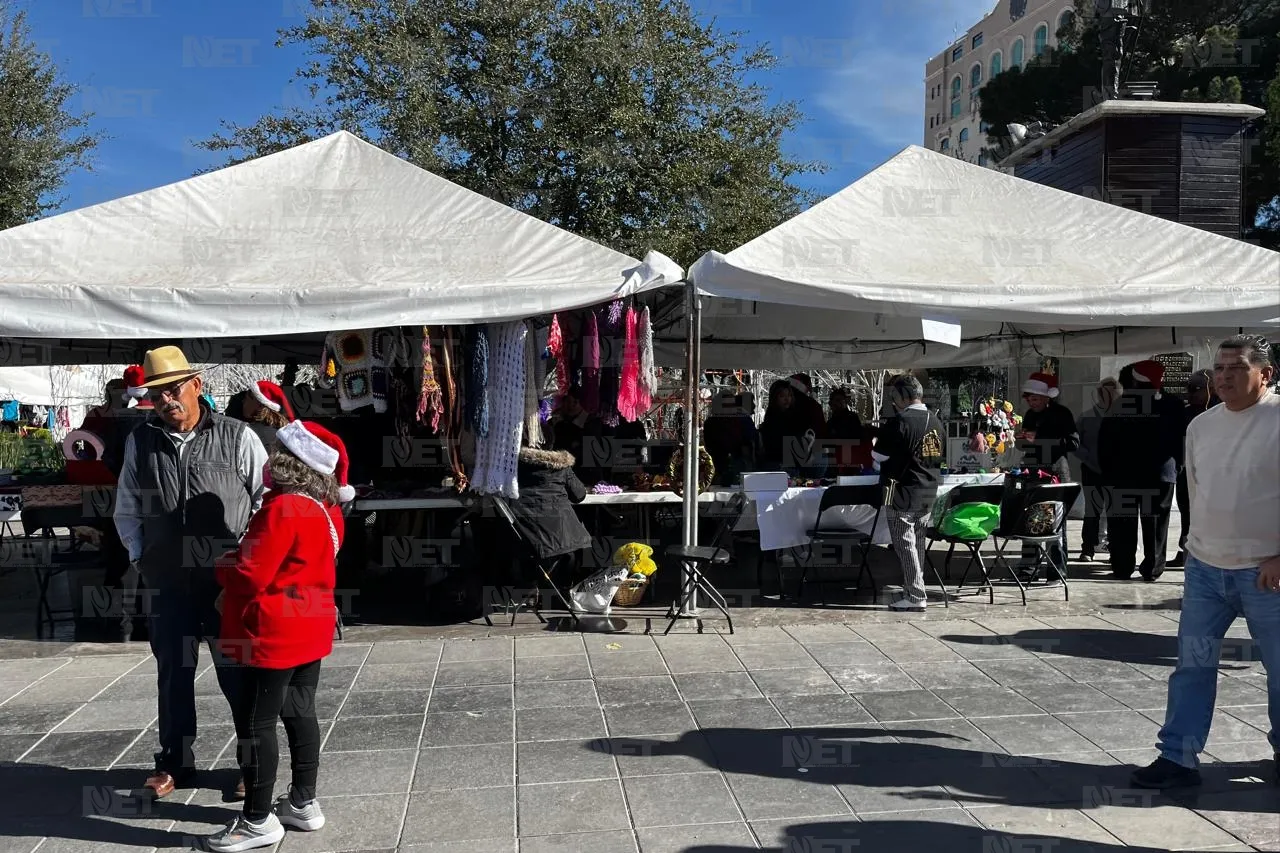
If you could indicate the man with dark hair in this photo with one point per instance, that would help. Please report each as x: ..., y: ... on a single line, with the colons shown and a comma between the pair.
x: 1200, y: 398
x: 910, y: 452
x: 1233, y: 555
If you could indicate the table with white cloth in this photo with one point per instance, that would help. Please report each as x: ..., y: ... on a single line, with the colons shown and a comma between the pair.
x: 784, y: 518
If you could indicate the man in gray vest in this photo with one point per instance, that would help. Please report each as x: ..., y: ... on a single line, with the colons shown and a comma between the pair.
x: 189, y: 483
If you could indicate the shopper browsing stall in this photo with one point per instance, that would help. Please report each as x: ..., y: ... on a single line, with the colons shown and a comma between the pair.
x: 1094, y: 534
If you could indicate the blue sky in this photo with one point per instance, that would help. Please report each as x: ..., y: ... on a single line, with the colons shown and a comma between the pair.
x: 161, y: 73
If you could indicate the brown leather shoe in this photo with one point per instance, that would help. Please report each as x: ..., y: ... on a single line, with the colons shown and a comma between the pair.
x: 239, y: 793
x: 160, y: 783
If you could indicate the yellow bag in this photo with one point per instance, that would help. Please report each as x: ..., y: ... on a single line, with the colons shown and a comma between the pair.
x: 636, y: 558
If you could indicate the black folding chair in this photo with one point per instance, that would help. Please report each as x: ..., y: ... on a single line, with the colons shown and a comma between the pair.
x: 532, y: 600
x: 695, y: 558
x: 836, y: 497
x: 959, y: 496
x: 1014, y: 527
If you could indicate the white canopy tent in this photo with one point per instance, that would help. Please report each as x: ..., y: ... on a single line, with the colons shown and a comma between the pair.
x: 333, y: 234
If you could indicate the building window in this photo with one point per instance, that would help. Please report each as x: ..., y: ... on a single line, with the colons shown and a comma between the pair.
x: 931, y: 122
x: 1066, y: 19
x: 982, y: 158
x: 946, y: 145
x: 1015, y: 59
x: 964, y: 135
x: 997, y: 64
x: 955, y: 96
x: 1041, y: 40
x: 977, y: 41
x: 957, y: 52
x: 975, y: 77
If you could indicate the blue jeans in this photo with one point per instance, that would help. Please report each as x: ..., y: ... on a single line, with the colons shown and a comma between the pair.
x: 1212, y: 598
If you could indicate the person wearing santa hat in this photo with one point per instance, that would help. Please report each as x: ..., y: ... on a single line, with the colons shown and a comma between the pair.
x: 278, y: 619
x: 135, y: 388
x: 1140, y: 450
x: 266, y: 409
x: 1047, y: 436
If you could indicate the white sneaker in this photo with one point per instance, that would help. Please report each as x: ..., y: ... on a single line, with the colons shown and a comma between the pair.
x: 905, y: 606
x: 240, y: 834
x: 308, y: 818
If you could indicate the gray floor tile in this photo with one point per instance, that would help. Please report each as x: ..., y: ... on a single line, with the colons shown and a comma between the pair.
x: 795, y: 681
x: 850, y: 652
x: 384, y: 703
x: 716, y: 685
x: 56, y: 690
x: 80, y: 749
x: 556, y: 694
x: 466, y: 728
x: 649, y: 718
x: 914, y: 832
x: 393, y: 676
x: 811, y: 634
x: 615, y: 841
x: 1139, y: 695
x: 1064, y: 824
x: 708, y: 660
x: 447, y: 768
x: 471, y: 673
x: 33, y: 668
x: 638, y: 689
x: 97, y: 666
x: 1091, y: 670
x: 1025, y: 735
x: 680, y: 799
x: 1239, y: 691
x: 894, y: 786
x: 535, y: 647
x: 488, y: 648
x: 954, y: 674
x: 830, y: 710
x: 11, y: 746
x: 383, y: 733
x: 352, y: 774
x: 774, y: 656
x: 984, y: 784
x: 136, y: 686
x: 1227, y: 727
x: 1254, y: 752
x: 830, y: 833
x: 957, y: 737
x: 660, y: 754
x: 1252, y: 816
x: 764, y: 798
x: 36, y: 719
x: 758, y: 636
x: 1114, y: 729
x: 1178, y: 828
x: 331, y: 678
x: 1069, y: 698
x: 987, y: 702
x: 491, y: 845
x: 424, y: 653
x: 737, y: 714
x: 921, y: 650
x: 559, y: 723
x: 110, y: 715
x: 476, y: 814
x: 894, y: 706
x: 485, y: 697
x: 571, y: 807
x: 557, y: 668
x: 352, y: 654
x: 872, y: 677
x: 564, y: 761
x: 628, y: 664
x: 1015, y: 673
x: 716, y: 836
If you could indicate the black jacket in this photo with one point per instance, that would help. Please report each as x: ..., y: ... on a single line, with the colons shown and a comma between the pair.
x: 265, y: 433
x: 544, y: 511
x: 1056, y: 436
x: 914, y: 443
x: 1140, y: 442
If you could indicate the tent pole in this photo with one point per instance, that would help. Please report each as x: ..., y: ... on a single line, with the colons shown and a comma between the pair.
x: 693, y: 346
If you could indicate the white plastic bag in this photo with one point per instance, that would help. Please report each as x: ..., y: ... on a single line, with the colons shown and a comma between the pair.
x: 595, y: 594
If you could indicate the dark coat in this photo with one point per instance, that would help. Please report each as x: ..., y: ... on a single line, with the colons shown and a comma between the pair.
x: 1140, y: 442
x: 544, y: 512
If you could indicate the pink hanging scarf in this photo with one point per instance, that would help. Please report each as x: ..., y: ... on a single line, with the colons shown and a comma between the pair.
x: 633, y: 397
x: 555, y: 344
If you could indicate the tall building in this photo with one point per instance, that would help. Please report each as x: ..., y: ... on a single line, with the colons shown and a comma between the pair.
x: 1012, y: 34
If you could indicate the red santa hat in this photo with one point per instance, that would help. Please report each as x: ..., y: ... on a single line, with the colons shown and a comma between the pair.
x: 801, y: 383
x: 1044, y: 384
x: 1151, y: 374
x: 134, y: 377
x: 320, y: 450
x: 273, y: 397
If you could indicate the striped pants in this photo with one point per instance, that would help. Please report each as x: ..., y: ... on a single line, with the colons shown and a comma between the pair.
x: 907, y: 530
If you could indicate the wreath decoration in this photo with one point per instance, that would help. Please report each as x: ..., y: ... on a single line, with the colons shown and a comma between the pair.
x: 706, y: 470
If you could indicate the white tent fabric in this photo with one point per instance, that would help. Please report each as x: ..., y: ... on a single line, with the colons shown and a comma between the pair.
x: 52, y: 386
x: 333, y: 234
x: 926, y: 235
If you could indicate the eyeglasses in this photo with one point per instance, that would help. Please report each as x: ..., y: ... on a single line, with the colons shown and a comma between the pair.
x: 155, y: 395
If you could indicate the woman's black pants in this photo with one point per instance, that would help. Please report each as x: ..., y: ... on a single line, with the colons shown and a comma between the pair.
x: 267, y: 695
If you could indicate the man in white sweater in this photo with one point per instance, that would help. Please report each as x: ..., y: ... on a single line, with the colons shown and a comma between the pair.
x: 1233, y: 555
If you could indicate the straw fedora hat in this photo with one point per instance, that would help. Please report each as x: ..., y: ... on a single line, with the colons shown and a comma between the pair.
x: 165, y: 366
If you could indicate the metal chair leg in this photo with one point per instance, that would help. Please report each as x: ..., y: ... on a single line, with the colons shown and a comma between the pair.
x: 1000, y: 560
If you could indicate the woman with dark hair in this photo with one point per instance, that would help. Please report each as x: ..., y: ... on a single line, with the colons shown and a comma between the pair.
x: 266, y: 409
x: 544, y: 512
x: 278, y: 619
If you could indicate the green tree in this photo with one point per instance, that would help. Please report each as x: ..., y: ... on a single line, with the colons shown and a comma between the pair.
x: 41, y: 139
x: 627, y: 121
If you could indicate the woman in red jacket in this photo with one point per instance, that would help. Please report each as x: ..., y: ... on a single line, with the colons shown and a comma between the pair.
x: 278, y: 620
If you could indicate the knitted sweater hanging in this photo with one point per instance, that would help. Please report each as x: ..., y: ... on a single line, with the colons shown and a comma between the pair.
x: 478, y: 380
x: 532, y: 388
x: 648, y: 371
x: 591, y: 364
x: 354, y: 365
x: 498, y: 451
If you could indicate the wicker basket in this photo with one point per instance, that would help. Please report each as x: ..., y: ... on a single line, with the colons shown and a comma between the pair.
x: 631, y: 591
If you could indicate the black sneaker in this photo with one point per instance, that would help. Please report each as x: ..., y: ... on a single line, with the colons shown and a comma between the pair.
x: 1163, y: 773
x: 1178, y: 562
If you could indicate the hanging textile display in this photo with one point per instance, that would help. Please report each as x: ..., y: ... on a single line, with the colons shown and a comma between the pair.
x: 430, y: 394
x: 648, y: 370
x: 453, y: 413
x: 632, y: 401
x: 498, y: 451
x: 555, y: 344
x: 354, y: 365
x: 614, y: 317
x: 478, y: 380
x: 532, y: 386
x: 591, y: 364
x: 402, y: 383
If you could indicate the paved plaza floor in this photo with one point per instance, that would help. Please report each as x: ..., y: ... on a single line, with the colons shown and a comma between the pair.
x: 957, y: 731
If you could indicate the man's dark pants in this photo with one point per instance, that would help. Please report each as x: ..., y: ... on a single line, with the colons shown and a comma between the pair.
x: 1151, y: 505
x: 179, y: 620
x: 1184, y: 508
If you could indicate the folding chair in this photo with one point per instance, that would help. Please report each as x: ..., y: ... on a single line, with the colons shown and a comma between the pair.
x: 960, y: 496
x: 531, y: 601
x: 697, y: 557
x: 836, y: 497
x: 1014, y: 527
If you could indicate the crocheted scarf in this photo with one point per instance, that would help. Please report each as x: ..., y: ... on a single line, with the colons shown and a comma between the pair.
x: 453, y: 413
x: 648, y: 371
x: 431, y: 396
x: 633, y: 399
x: 532, y: 388
x: 498, y: 449
x: 478, y: 380
x: 591, y: 364
x: 556, y: 345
